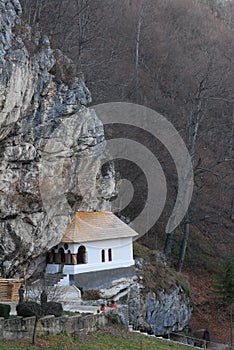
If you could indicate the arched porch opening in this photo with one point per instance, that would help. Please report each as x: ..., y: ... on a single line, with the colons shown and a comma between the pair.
x: 62, y: 254
x: 51, y: 256
x: 82, y: 255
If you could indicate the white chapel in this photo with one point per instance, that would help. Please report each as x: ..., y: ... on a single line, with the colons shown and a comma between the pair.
x: 96, y: 248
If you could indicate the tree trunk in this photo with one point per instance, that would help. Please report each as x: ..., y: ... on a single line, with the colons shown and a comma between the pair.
x: 232, y: 211
x: 138, y: 33
x: 232, y: 136
x: 34, y: 331
x: 183, y: 245
x: 195, y: 120
x: 138, y: 40
x: 168, y: 244
x: 231, y: 323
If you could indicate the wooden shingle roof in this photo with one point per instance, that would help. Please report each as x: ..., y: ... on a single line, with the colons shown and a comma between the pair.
x: 96, y: 226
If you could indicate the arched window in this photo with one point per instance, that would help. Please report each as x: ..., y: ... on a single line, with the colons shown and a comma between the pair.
x: 81, y: 255
x: 103, y: 255
x: 109, y: 254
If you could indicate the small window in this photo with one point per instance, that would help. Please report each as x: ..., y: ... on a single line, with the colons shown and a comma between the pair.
x: 109, y: 254
x: 103, y: 255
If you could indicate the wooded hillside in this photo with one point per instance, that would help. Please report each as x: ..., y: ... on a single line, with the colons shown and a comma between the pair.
x: 176, y: 57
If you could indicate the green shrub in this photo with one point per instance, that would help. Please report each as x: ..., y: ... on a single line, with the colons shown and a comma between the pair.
x: 29, y: 309
x: 5, y: 310
x: 187, y: 290
x: 53, y: 308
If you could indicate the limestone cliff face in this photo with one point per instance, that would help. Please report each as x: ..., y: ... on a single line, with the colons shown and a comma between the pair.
x: 52, y: 146
x: 159, y: 314
x: 159, y: 309
x: 160, y: 302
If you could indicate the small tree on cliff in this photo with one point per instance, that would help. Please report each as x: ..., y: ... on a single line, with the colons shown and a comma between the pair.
x: 223, y: 287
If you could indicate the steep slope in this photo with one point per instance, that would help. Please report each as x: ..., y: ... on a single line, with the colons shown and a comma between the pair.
x: 209, y: 312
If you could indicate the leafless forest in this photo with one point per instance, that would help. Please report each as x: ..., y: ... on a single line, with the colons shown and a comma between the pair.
x: 176, y: 57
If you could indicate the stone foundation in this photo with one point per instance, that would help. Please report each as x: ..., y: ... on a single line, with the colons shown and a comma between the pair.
x: 101, y: 279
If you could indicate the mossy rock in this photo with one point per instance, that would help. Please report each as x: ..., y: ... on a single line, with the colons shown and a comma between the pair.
x: 139, y: 250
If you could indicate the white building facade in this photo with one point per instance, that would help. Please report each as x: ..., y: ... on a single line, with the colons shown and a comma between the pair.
x: 94, y: 243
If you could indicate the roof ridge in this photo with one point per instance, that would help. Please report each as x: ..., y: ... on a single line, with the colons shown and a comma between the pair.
x: 81, y: 230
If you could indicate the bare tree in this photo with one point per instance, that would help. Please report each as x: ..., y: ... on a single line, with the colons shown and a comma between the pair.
x: 40, y: 300
x: 175, y: 56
